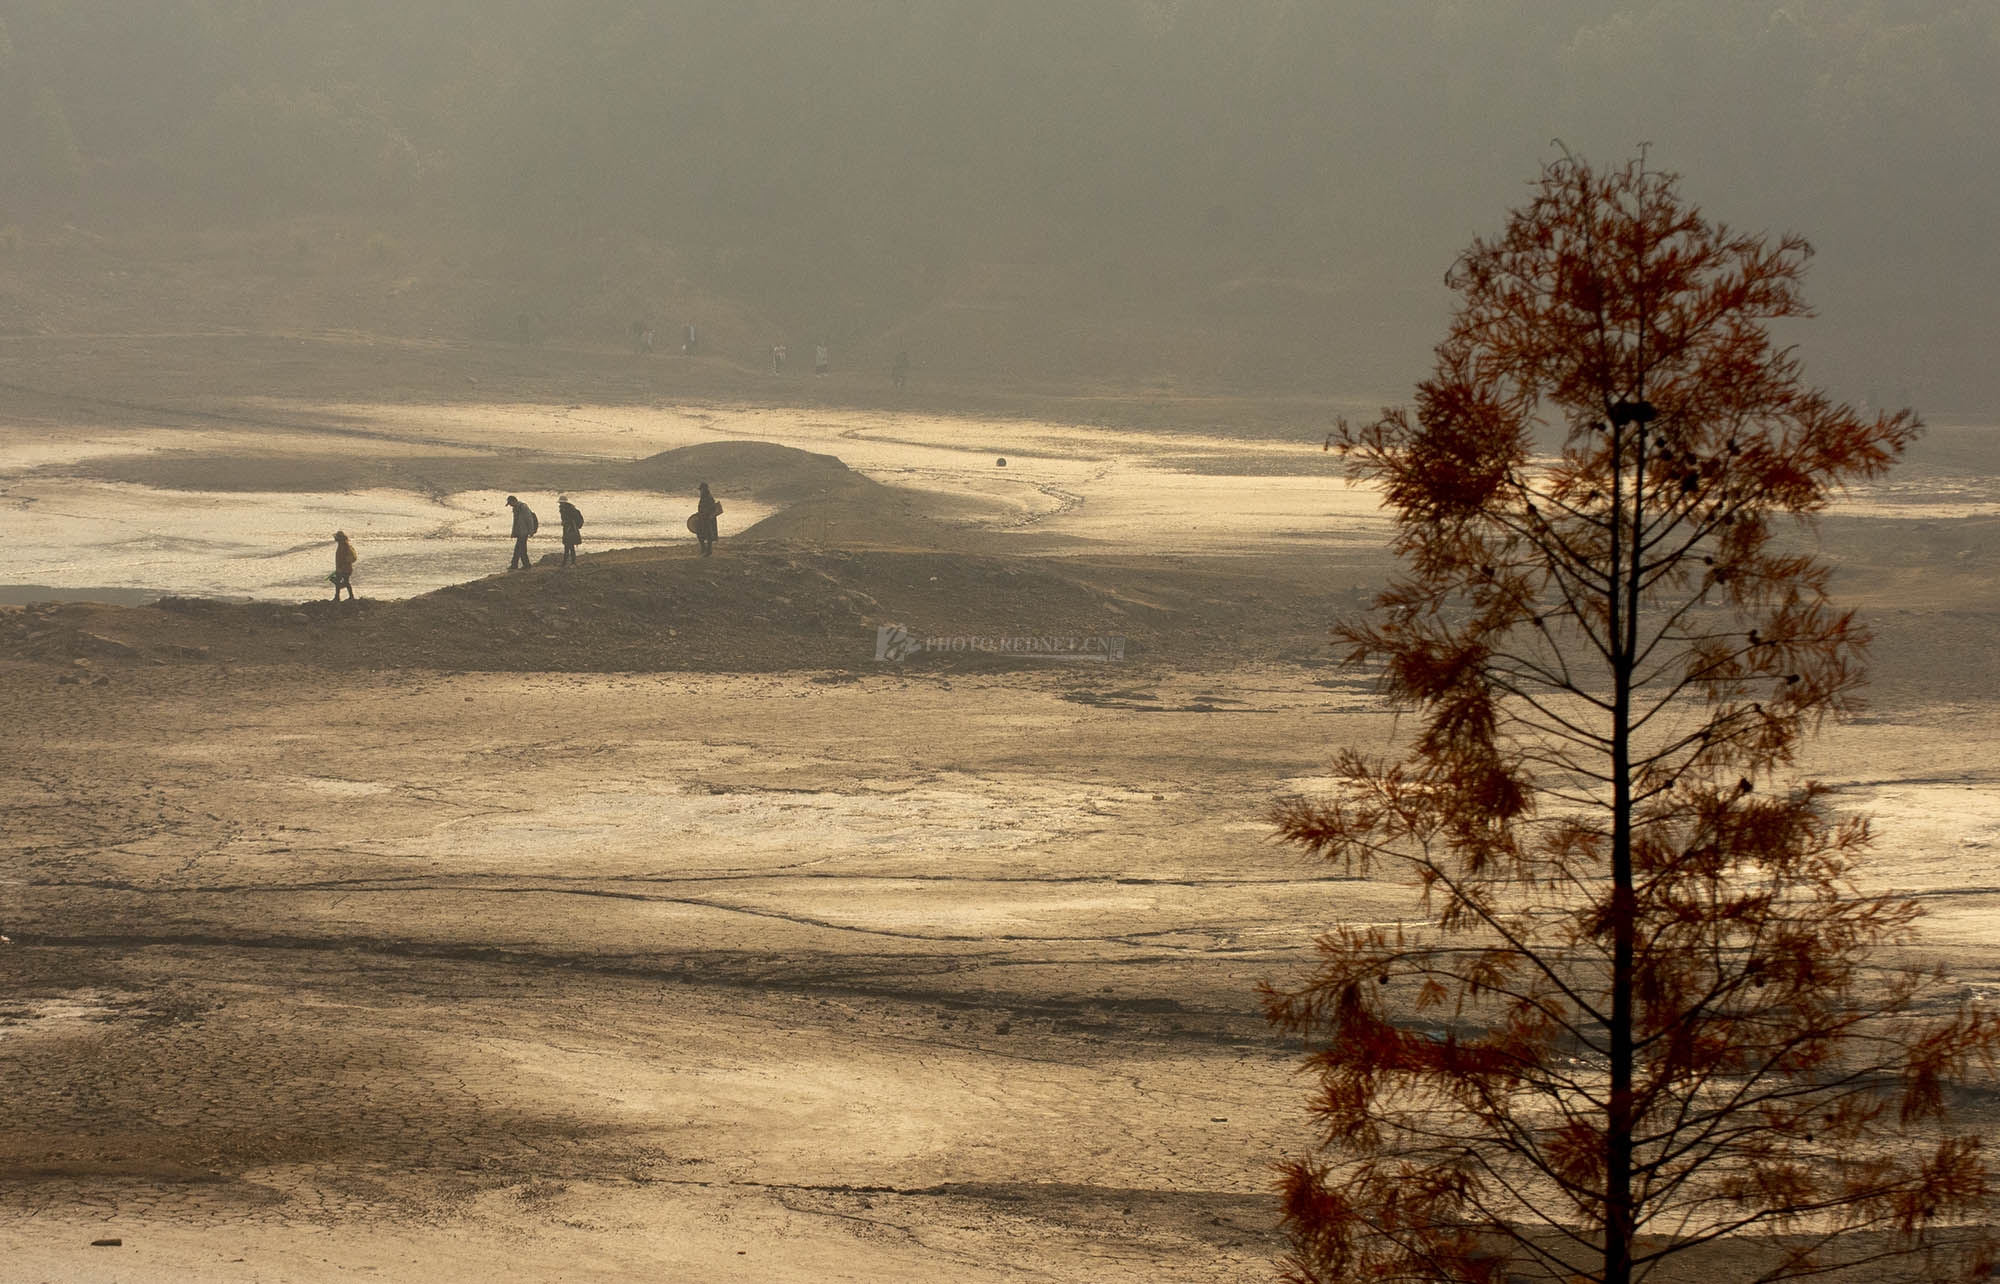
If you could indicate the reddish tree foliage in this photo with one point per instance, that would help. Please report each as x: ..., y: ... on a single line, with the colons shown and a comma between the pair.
x: 1646, y: 1011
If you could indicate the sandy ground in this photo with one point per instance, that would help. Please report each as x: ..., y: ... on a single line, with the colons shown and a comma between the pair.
x: 838, y: 971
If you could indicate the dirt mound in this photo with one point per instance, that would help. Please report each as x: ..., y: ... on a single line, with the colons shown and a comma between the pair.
x: 820, y: 499
x: 774, y: 474
x: 756, y: 607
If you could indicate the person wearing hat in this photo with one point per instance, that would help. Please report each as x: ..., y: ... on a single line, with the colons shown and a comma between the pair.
x: 525, y: 524
x: 343, y: 566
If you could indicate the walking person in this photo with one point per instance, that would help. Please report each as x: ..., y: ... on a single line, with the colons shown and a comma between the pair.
x: 822, y: 360
x: 572, y: 524
x: 343, y: 566
x: 525, y: 524
x: 706, y: 511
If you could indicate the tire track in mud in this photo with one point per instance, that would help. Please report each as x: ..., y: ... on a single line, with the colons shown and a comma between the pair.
x: 1066, y: 501
x: 874, y: 435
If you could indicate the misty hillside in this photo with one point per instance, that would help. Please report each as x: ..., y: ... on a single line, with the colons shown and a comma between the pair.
x: 1259, y: 196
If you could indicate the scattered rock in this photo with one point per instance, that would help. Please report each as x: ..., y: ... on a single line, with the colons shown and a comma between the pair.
x: 107, y: 1243
x: 98, y: 644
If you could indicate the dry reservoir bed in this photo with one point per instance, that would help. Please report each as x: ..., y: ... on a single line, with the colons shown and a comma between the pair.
x: 857, y: 979
x: 330, y: 960
x: 791, y: 977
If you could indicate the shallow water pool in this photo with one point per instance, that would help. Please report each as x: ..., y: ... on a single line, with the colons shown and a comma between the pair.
x: 68, y: 533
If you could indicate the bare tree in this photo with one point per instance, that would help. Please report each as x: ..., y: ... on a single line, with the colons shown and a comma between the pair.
x: 1646, y: 1011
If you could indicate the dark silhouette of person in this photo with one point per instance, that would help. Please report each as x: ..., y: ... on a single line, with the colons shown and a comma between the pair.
x: 343, y: 566
x: 525, y: 524
x: 572, y: 524
x: 706, y: 511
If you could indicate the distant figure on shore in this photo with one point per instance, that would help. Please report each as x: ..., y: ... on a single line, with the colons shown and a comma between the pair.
x: 525, y: 524
x: 706, y: 511
x: 822, y: 362
x: 343, y: 566
x: 572, y: 524
x: 899, y: 374
x: 777, y: 358
x: 688, y: 343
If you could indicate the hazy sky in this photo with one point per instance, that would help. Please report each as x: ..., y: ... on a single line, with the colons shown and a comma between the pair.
x: 859, y: 155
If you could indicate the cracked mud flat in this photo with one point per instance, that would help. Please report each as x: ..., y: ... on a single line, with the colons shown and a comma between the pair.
x: 882, y: 974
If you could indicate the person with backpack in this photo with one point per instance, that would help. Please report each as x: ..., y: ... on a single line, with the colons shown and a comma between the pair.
x: 525, y: 524
x: 572, y: 524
